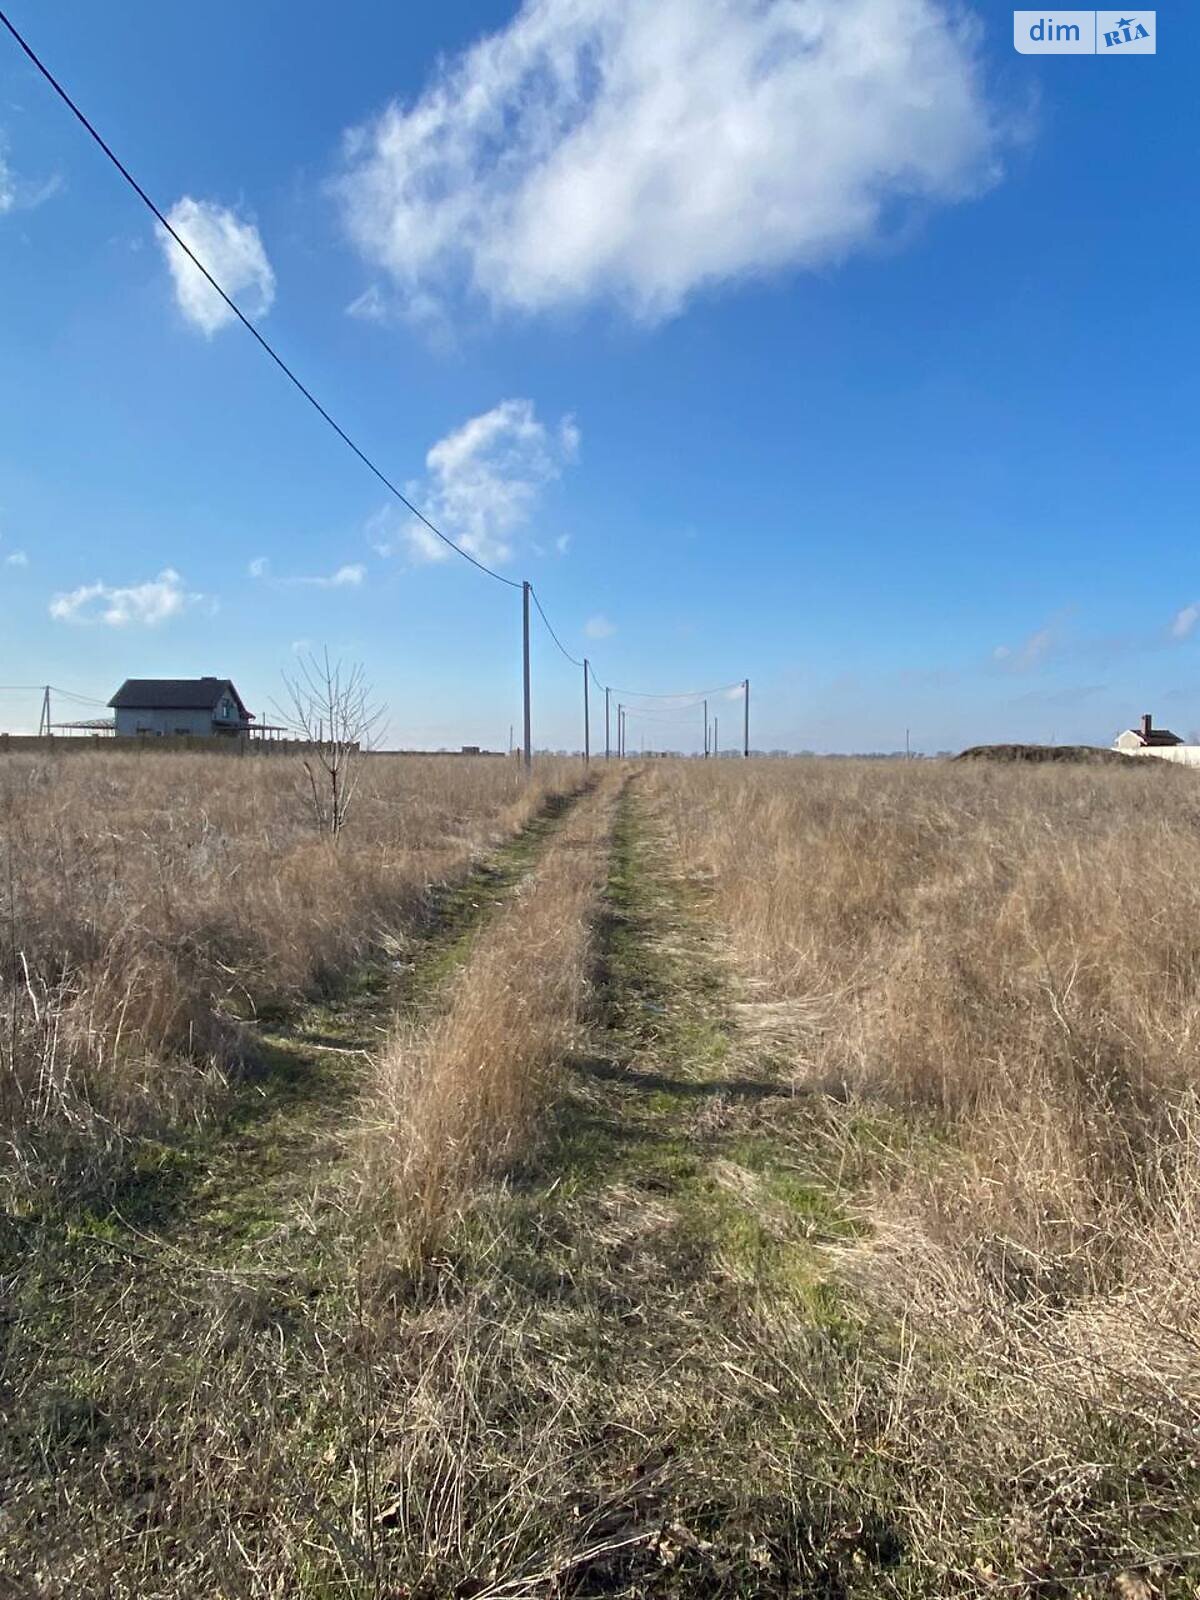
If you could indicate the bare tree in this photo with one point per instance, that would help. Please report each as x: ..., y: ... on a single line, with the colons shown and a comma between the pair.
x: 330, y: 706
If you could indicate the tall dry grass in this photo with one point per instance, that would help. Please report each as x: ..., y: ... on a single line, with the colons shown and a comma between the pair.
x: 993, y: 975
x: 151, y: 903
x: 458, y: 1093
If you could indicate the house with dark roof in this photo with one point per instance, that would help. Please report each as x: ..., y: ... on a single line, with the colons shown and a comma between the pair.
x: 1146, y: 737
x: 198, y: 708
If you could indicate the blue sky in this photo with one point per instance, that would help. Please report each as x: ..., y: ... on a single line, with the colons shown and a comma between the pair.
x: 834, y: 344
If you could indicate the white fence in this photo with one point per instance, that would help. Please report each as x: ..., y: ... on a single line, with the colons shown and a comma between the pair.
x: 1188, y: 755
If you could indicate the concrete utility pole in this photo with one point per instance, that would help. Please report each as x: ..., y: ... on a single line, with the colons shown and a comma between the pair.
x: 587, y: 731
x: 716, y: 736
x: 706, y: 730
x: 746, y: 727
x: 606, y: 749
x: 44, y: 728
x: 525, y: 657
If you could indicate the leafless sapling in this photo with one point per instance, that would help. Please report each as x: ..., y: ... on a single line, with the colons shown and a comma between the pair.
x: 330, y: 706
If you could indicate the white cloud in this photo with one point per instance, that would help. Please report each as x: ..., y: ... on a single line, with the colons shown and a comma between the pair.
x: 563, y: 543
x: 347, y: 577
x: 1030, y: 653
x: 18, y: 558
x: 369, y: 306
x: 424, y: 545
x: 231, y: 250
x: 599, y: 628
x: 18, y: 194
x: 640, y: 150
x: 1185, y: 621
x: 482, y: 485
x: 146, y: 604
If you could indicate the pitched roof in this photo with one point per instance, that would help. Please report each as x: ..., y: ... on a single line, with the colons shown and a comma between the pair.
x: 174, y: 694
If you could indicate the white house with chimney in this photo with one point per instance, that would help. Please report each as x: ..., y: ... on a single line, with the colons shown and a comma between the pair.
x: 1147, y: 740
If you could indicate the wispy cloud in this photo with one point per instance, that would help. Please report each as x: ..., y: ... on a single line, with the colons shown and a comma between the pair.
x: 482, y: 485
x: 349, y: 576
x: 641, y: 150
x: 142, y: 604
x: 21, y: 194
x: 599, y: 627
x: 232, y: 251
x: 1185, y: 621
x: 369, y: 306
x: 1031, y: 652
x: 17, y: 558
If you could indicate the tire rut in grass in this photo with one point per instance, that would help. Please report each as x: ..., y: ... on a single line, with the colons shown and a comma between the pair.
x: 301, y: 1071
x: 661, y: 1257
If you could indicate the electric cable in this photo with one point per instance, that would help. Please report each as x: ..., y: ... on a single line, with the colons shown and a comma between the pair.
x: 239, y: 313
x: 308, y: 395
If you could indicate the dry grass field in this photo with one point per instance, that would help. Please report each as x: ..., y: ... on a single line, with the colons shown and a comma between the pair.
x: 707, y: 1180
x: 152, y: 905
x: 989, y: 977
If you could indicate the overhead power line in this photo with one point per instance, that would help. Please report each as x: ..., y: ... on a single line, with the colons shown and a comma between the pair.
x: 574, y: 660
x: 377, y: 472
x: 239, y: 313
x: 40, y: 688
x: 82, y: 699
x: 684, y: 694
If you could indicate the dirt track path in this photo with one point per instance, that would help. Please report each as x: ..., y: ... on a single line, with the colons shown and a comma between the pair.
x: 602, y: 1386
x: 672, y: 1224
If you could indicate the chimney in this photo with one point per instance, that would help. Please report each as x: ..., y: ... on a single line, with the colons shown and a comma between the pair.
x: 1146, y: 726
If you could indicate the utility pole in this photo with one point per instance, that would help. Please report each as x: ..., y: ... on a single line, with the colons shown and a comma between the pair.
x: 716, y: 736
x: 44, y: 724
x: 620, y: 732
x: 528, y: 728
x: 606, y: 749
x: 907, y: 752
x: 587, y: 731
x: 706, y: 730
x: 746, y: 726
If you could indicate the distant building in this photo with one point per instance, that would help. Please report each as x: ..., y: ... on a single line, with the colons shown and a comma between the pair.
x: 1145, y: 737
x: 198, y: 708
x: 1147, y: 740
